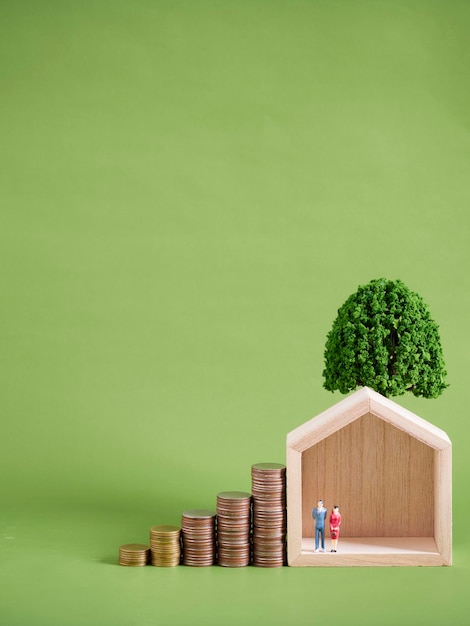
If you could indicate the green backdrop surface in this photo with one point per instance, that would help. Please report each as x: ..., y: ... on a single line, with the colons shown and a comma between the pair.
x: 188, y: 192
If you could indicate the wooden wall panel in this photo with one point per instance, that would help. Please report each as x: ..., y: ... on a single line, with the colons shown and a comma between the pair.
x: 443, y: 502
x: 381, y: 478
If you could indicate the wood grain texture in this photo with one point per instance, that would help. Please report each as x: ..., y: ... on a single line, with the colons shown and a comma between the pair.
x: 443, y: 503
x: 372, y: 551
x: 294, y: 502
x: 416, y: 426
x: 331, y: 420
x: 390, y: 472
x: 368, y: 560
x: 381, y: 478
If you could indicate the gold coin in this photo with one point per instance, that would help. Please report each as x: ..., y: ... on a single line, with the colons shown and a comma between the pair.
x: 165, y: 529
x: 134, y: 547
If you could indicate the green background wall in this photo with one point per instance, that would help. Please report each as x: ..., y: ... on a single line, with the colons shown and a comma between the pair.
x: 188, y: 192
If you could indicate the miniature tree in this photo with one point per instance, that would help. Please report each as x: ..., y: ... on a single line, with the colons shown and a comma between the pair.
x: 384, y: 338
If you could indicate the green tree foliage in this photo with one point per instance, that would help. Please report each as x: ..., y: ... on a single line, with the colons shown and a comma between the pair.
x: 384, y: 338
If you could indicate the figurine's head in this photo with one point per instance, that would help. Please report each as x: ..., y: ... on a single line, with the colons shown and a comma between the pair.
x: 320, y: 504
x: 336, y: 508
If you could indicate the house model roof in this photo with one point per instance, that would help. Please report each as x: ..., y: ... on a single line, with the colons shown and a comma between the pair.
x: 362, y: 402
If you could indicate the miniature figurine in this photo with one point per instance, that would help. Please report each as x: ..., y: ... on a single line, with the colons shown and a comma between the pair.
x: 335, y: 523
x: 319, y: 515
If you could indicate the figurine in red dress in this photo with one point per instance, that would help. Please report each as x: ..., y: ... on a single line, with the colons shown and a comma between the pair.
x: 335, y: 523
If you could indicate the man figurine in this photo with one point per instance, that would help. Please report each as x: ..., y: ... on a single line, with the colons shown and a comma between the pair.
x: 319, y: 515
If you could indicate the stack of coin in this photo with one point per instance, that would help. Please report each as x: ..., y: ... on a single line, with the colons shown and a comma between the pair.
x: 234, y: 528
x: 198, y: 538
x: 165, y: 545
x: 269, y: 514
x: 134, y: 554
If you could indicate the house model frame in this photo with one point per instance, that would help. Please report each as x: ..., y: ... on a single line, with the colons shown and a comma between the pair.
x: 390, y: 473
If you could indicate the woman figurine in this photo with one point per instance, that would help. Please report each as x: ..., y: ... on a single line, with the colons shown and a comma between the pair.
x: 335, y: 523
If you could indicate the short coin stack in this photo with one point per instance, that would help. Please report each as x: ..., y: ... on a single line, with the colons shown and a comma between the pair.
x: 198, y: 538
x: 165, y: 545
x: 269, y: 514
x: 134, y: 554
x: 234, y: 528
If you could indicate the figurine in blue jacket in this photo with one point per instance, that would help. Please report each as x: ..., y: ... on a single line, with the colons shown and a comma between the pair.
x: 319, y: 515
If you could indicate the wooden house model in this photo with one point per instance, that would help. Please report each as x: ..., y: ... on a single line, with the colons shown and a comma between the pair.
x: 390, y: 473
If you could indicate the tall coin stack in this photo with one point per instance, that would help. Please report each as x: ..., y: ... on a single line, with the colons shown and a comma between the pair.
x: 165, y: 545
x: 134, y: 554
x: 198, y: 538
x: 234, y: 528
x: 269, y: 514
